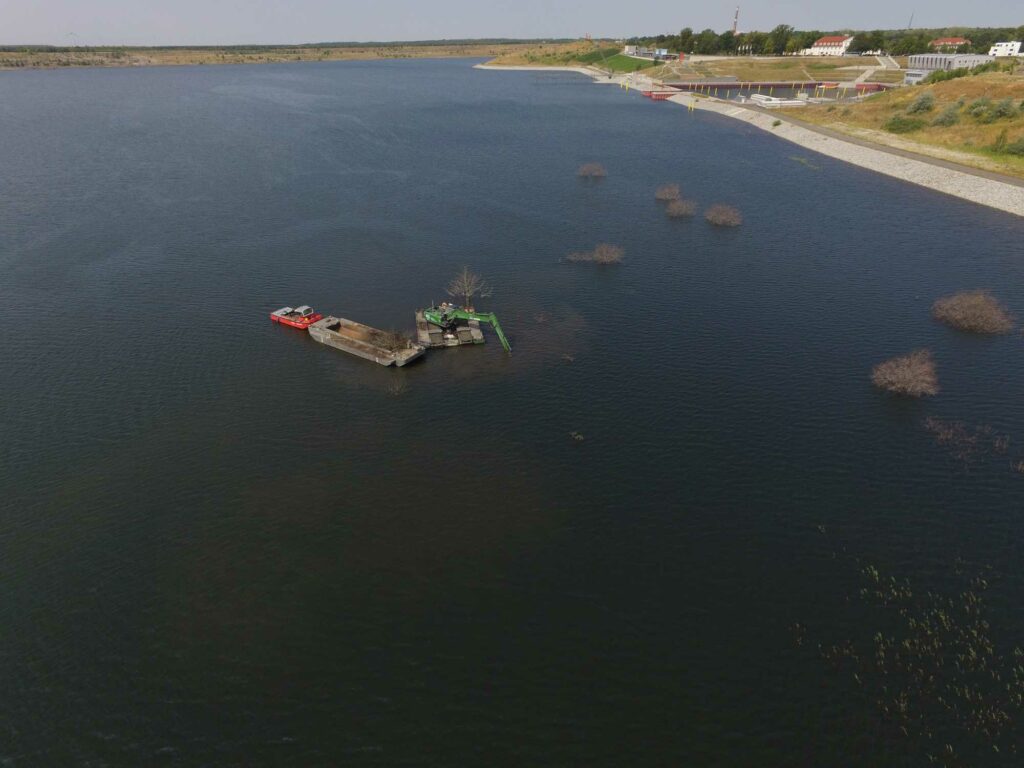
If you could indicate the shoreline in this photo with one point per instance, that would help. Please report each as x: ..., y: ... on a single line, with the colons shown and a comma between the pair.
x: 938, y: 175
x: 588, y: 71
x: 974, y: 185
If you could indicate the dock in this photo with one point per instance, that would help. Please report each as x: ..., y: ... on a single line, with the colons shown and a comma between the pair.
x: 364, y: 341
x: 429, y: 335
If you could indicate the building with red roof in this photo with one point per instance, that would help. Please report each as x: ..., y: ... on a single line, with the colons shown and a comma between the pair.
x: 949, y: 43
x: 830, y: 45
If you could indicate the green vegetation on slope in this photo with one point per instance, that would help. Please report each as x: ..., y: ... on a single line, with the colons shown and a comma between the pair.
x: 977, y: 120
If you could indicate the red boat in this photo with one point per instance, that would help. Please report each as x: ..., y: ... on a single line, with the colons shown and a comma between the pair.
x: 300, y: 317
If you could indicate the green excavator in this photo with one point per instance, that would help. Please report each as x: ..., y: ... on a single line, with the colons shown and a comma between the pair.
x: 445, y: 317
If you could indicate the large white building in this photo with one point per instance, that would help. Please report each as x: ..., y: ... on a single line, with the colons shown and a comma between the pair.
x: 1005, y: 49
x: 832, y: 45
x: 920, y: 65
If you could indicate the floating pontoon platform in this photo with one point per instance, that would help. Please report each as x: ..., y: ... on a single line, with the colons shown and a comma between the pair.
x: 430, y: 335
x: 361, y: 340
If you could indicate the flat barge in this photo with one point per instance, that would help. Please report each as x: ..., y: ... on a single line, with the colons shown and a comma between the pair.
x: 363, y: 341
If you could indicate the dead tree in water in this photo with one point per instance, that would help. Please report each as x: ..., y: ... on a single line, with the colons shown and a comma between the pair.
x: 912, y: 374
x: 466, y: 285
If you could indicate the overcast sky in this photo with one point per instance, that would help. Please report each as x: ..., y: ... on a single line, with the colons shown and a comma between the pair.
x: 211, y: 22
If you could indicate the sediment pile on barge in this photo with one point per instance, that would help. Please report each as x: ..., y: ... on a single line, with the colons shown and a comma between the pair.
x: 363, y: 341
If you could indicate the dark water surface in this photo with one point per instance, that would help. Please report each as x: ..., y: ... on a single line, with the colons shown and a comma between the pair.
x: 222, y: 543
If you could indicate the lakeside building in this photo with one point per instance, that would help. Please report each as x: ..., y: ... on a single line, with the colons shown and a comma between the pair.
x: 950, y: 44
x: 1005, y: 49
x: 920, y: 65
x: 647, y: 53
x: 830, y: 45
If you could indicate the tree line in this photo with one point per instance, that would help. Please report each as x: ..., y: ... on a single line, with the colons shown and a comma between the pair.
x: 784, y: 39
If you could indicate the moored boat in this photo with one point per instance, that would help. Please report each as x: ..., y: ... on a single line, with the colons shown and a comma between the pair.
x: 299, y: 317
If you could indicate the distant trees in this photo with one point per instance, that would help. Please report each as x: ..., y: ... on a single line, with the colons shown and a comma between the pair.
x: 685, y: 42
x: 785, y: 39
x: 778, y: 38
x: 706, y: 42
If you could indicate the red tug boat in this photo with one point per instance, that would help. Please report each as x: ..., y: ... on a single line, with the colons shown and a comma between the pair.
x: 300, y: 317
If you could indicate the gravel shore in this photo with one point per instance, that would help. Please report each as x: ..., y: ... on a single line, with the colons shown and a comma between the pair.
x: 963, y: 184
x: 937, y: 175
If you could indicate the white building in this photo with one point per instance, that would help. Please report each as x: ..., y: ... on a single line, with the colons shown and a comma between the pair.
x: 834, y: 45
x: 1005, y: 49
x: 920, y: 65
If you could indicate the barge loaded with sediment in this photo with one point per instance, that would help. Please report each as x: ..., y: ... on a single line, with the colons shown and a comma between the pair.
x: 365, y: 342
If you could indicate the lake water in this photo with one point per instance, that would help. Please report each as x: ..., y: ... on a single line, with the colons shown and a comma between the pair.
x: 223, y: 543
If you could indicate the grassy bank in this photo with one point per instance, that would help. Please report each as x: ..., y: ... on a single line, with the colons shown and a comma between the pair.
x: 43, y: 57
x: 978, y: 121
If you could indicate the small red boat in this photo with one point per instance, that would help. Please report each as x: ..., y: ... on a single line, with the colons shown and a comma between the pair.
x: 300, y: 317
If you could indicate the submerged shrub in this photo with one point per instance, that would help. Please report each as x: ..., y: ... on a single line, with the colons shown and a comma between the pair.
x: 679, y: 209
x: 949, y: 116
x: 901, y: 124
x: 667, y: 192
x: 923, y: 103
x: 912, y: 375
x: 973, y: 312
x: 602, y: 254
x: 592, y: 171
x: 723, y: 216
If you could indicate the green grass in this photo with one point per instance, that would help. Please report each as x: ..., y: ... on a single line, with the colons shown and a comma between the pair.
x: 597, y: 57
x: 622, y: 63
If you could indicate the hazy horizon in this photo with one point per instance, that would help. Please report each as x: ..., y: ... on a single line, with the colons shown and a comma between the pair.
x: 262, y: 22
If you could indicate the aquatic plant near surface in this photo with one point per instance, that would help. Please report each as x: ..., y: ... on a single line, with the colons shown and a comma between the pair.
x: 974, y: 312
x: 723, y: 216
x: 679, y: 209
x: 591, y: 171
x: 667, y: 192
x: 966, y: 443
x: 912, y: 375
x: 947, y: 687
x: 602, y: 254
